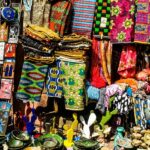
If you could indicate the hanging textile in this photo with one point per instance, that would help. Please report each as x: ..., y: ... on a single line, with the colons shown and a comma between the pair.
x: 97, y: 78
x: 74, y: 75
x: 142, y: 24
x: 102, y: 18
x: 83, y: 17
x: 37, y: 12
x: 122, y: 20
x: 32, y: 81
x: 54, y: 81
x: 127, y: 64
x: 140, y: 105
x: 58, y: 16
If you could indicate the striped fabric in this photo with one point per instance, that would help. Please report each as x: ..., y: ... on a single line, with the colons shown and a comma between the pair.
x: 83, y: 17
x: 142, y: 25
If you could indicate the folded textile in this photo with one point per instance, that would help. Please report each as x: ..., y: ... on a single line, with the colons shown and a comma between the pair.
x: 142, y: 23
x: 54, y: 81
x: 58, y: 16
x: 41, y: 33
x: 102, y: 18
x: 122, y: 20
x: 44, y: 47
x: 74, y: 75
x: 83, y: 15
x: 35, y: 55
x: 32, y: 81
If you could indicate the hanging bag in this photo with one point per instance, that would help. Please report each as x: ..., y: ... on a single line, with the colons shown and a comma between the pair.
x: 7, y: 12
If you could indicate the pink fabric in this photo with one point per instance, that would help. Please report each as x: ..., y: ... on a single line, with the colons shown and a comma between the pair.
x: 122, y: 20
x: 127, y: 64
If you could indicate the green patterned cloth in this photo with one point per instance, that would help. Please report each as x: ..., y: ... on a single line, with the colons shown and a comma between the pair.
x: 32, y: 81
x: 74, y: 84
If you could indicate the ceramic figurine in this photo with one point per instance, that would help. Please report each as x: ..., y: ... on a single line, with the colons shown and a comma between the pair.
x: 119, y: 135
x: 30, y: 124
x: 86, y: 127
x: 107, y: 117
x: 69, y: 141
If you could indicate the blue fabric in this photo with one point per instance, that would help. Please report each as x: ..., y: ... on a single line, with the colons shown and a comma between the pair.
x: 92, y: 92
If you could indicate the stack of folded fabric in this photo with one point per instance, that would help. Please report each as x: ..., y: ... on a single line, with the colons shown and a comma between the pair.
x: 73, y: 66
x: 38, y: 43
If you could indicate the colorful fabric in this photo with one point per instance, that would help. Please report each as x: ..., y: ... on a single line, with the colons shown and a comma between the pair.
x: 140, y: 105
x: 54, y: 81
x: 102, y: 18
x: 92, y: 92
x: 58, y: 16
x: 74, y: 84
x: 6, y: 89
x: 105, y: 57
x: 122, y: 20
x: 83, y: 17
x: 4, y: 116
x: 127, y: 64
x: 97, y: 78
x: 32, y: 81
x: 142, y: 24
x: 123, y: 103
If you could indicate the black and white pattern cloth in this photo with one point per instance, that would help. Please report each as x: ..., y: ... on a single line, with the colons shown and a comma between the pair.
x: 122, y: 103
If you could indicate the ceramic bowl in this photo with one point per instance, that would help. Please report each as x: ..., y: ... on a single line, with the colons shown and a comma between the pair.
x: 55, y: 139
x: 19, y: 135
x: 15, y: 144
x: 50, y: 143
x: 86, y: 144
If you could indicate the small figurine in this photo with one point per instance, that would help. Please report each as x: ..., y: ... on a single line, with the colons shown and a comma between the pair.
x: 69, y: 141
x: 86, y: 127
x: 30, y: 124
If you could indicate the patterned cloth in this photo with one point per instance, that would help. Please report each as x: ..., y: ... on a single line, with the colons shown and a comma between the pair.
x: 140, y: 104
x: 54, y: 81
x: 74, y: 86
x: 83, y: 17
x: 97, y: 78
x: 122, y: 103
x: 142, y: 25
x: 127, y: 64
x: 31, y: 82
x: 58, y: 16
x: 102, y: 18
x: 122, y: 20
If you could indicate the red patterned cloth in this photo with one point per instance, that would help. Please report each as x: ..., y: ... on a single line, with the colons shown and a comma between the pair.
x: 127, y: 64
x: 58, y: 16
x: 97, y: 78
